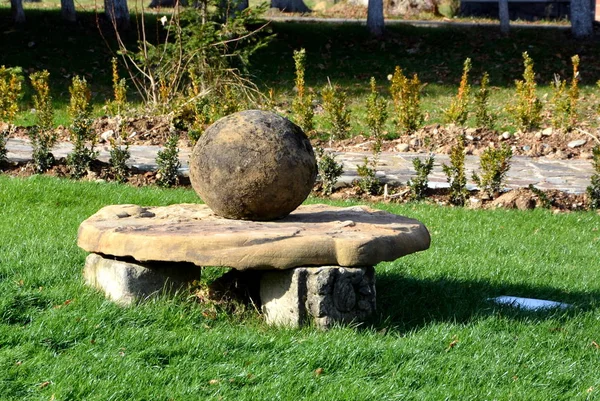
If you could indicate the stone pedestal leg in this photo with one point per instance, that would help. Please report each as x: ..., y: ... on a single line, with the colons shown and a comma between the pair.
x: 124, y: 282
x: 323, y: 295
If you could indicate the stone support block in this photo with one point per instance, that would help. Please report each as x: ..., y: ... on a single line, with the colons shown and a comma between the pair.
x: 321, y: 295
x: 126, y: 281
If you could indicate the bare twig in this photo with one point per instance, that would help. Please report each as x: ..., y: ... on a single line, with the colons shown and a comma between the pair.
x: 594, y: 137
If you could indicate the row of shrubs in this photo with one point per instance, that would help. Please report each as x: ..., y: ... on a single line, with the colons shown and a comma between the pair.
x: 43, y: 136
x: 405, y: 94
x: 526, y: 109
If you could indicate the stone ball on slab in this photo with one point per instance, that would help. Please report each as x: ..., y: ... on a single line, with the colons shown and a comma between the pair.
x: 253, y: 165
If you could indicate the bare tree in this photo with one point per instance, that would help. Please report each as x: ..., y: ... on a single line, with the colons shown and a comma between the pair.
x: 581, y: 19
x: 375, y: 22
x: 67, y: 10
x: 18, y: 14
x: 504, y: 16
x: 290, y: 6
x: 117, y: 13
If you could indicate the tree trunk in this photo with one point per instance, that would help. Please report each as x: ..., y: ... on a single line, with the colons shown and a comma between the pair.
x: 503, y: 16
x: 117, y: 13
x: 67, y: 10
x: 16, y: 7
x: 581, y: 19
x: 290, y: 6
x: 375, y: 22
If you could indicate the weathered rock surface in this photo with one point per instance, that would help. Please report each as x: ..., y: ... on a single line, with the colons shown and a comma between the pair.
x: 321, y: 295
x: 313, y: 235
x: 253, y: 165
x: 126, y: 281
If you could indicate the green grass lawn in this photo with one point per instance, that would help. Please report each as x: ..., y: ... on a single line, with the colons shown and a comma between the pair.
x: 436, y: 336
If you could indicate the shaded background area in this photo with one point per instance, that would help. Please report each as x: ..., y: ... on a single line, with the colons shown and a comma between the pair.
x: 343, y: 52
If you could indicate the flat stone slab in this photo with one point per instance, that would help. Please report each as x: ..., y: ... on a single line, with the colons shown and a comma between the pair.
x: 312, y: 235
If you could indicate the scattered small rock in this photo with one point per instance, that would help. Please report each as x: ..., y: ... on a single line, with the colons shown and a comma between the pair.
x: 577, y: 143
x: 106, y: 135
x: 475, y: 203
x: 403, y: 147
x: 519, y: 199
x: 505, y: 135
x: 547, y: 131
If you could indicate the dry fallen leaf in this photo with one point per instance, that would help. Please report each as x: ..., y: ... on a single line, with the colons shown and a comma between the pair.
x: 318, y: 371
x: 452, y: 344
x: 213, y: 381
x: 595, y: 344
x: 44, y: 384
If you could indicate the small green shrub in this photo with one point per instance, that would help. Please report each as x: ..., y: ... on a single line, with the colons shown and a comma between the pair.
x: 119, y: 103
x: 545, y: 201
x: 483, y: 117
x: 168, y: 163
x: 376, y: 116
x: 494, y: 164
x: 527, y: 108
x: 42, y: 135
x: 80, y: 111
x: 406, y: 96
x: 377, y: 113
x: 3, y: 139
x: 449, y: 8
x: 336, y: 111
x: 458, y: 111
x: 302, y: 107
x: 10, y: 92
x: 119, y: 155
x: 418, y: 185
x: 565, y: 101
x: 368, y: 183
x: 593, y: 191
x: 456, y: 174
x: 329, y: 170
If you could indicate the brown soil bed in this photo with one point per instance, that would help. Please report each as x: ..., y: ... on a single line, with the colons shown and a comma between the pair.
x: 439, y: 139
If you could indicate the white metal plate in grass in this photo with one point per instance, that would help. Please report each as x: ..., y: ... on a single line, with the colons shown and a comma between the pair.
x: 529, y: 303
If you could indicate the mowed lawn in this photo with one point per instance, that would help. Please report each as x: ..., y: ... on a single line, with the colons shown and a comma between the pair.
x: 436, y: 335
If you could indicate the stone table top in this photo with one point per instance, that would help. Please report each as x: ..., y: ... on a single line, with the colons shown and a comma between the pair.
x: 312, y: 235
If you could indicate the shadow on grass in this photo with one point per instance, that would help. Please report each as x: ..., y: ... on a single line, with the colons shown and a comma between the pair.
x: 406, y: 303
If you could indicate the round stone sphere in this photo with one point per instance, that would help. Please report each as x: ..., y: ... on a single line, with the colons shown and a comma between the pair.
x: 253, y: 165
